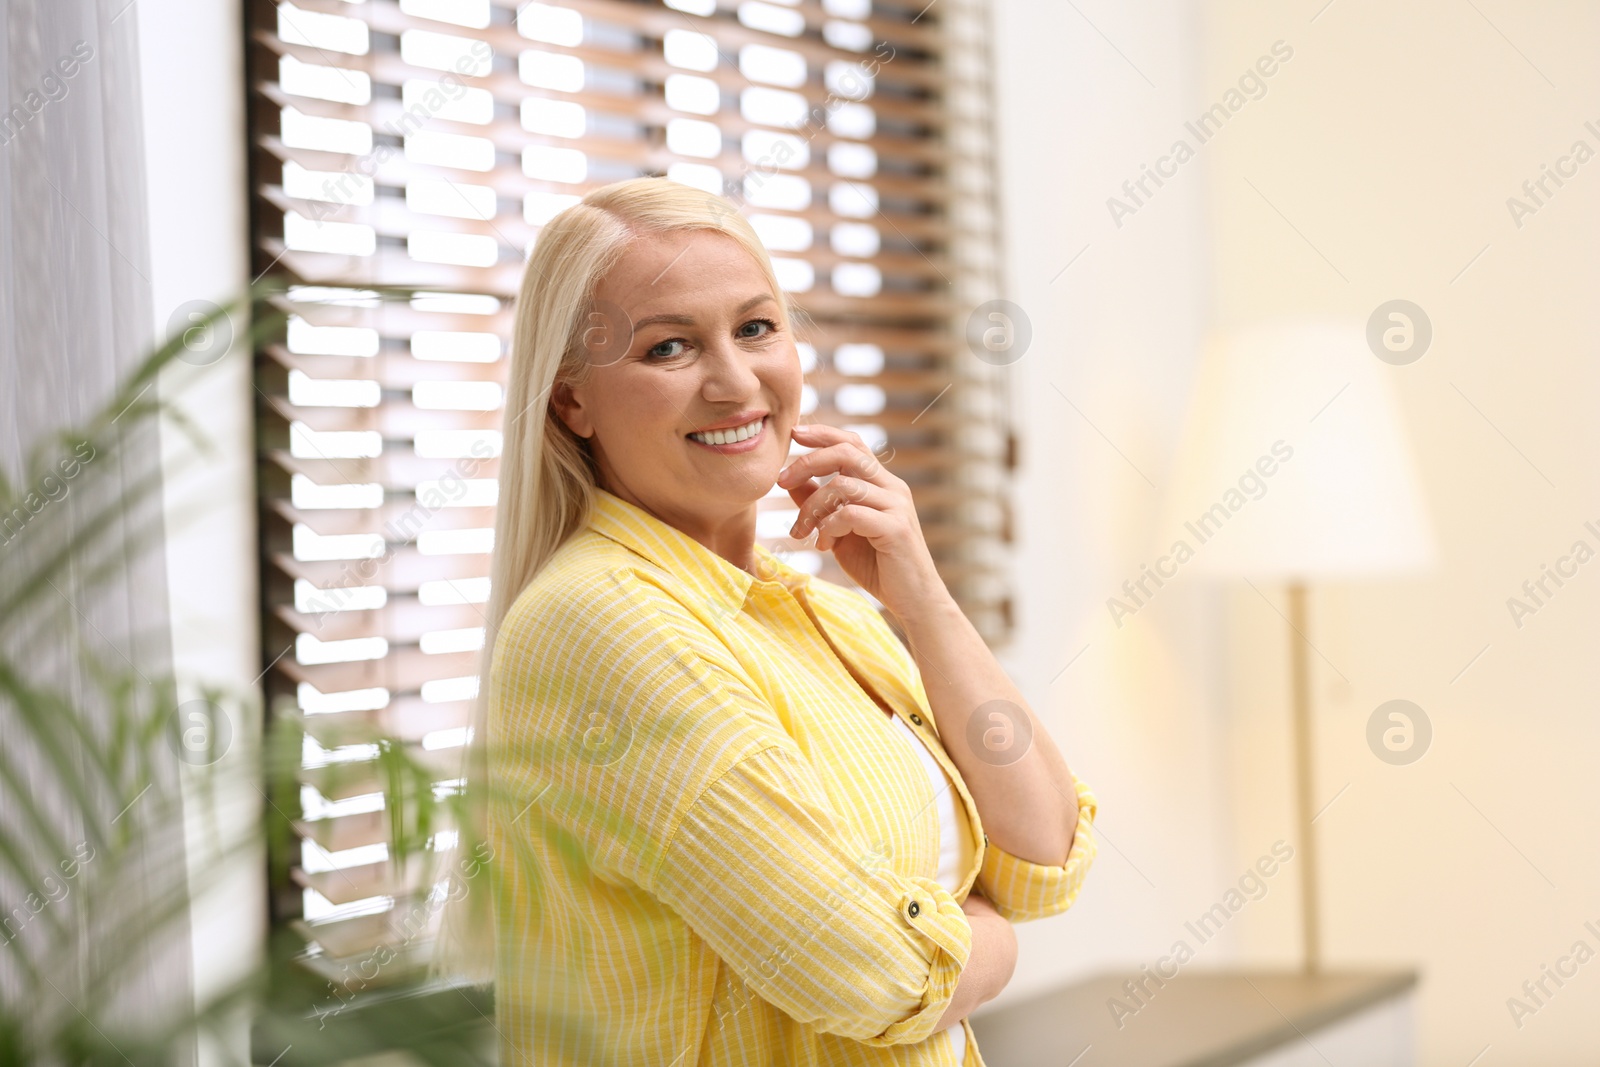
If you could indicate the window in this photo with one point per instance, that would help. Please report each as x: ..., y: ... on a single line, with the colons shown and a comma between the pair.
x: 424, y: 142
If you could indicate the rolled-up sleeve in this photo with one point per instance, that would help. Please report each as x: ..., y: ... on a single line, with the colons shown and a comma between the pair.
x: 1021, y: 890
x: 809, y: 916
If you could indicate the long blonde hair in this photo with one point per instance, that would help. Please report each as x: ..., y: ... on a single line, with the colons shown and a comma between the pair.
x: 547, y: 478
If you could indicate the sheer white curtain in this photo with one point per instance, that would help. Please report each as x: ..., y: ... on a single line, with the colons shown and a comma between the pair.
x: 74, y: 320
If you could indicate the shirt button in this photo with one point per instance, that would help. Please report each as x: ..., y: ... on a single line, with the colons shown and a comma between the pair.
x: 916, y: 718
x: 913, y: 909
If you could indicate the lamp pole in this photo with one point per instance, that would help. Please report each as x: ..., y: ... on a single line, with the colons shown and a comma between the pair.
x: 1300, y: 684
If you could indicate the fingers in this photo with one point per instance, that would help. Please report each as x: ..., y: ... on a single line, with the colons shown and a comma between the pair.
x: 817, y: 502
x: 862, y: 498
x: 852, y: 458
x: 813, y: 434
x: 859, y: 519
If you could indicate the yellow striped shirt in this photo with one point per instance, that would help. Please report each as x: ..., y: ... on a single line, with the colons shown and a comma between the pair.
x: 710, y: 847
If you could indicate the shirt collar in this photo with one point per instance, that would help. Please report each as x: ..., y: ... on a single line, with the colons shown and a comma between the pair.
x: 702, y: 570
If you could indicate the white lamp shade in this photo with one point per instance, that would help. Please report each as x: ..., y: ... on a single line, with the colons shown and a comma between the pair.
x: 1294, y: 464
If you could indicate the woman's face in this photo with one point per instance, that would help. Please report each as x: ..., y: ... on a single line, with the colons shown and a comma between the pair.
x: 688, y: 338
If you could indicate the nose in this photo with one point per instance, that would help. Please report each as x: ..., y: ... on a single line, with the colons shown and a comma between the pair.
x: 726, y: 373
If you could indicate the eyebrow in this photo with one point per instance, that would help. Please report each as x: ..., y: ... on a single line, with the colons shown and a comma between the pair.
x: 688, y: 320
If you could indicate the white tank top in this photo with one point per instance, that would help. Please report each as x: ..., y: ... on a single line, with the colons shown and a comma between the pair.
x: 955, y: 850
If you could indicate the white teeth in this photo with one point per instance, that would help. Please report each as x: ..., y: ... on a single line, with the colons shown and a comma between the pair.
x: 728, y: 437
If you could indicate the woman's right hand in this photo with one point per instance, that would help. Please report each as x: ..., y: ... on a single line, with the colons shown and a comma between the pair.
x: 989, y: 966
x: 979, y: 910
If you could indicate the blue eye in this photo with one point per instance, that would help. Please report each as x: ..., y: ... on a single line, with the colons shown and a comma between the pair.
x: 754, y: 330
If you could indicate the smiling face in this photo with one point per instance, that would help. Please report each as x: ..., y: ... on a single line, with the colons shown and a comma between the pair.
x: 690, y: 419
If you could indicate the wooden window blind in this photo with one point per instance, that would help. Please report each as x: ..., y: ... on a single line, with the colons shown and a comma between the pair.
x: 423, y: 143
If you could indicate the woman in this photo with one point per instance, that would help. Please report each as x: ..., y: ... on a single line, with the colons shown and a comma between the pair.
x: 734, y: 820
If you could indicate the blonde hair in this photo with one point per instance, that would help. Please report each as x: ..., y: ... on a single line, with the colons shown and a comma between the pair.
x: 547, y: 477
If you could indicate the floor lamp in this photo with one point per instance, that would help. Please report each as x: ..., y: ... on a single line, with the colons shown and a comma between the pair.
x: 1294, y: 468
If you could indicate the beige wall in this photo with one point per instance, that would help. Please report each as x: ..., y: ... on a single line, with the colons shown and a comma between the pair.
x: 1391, y: 141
